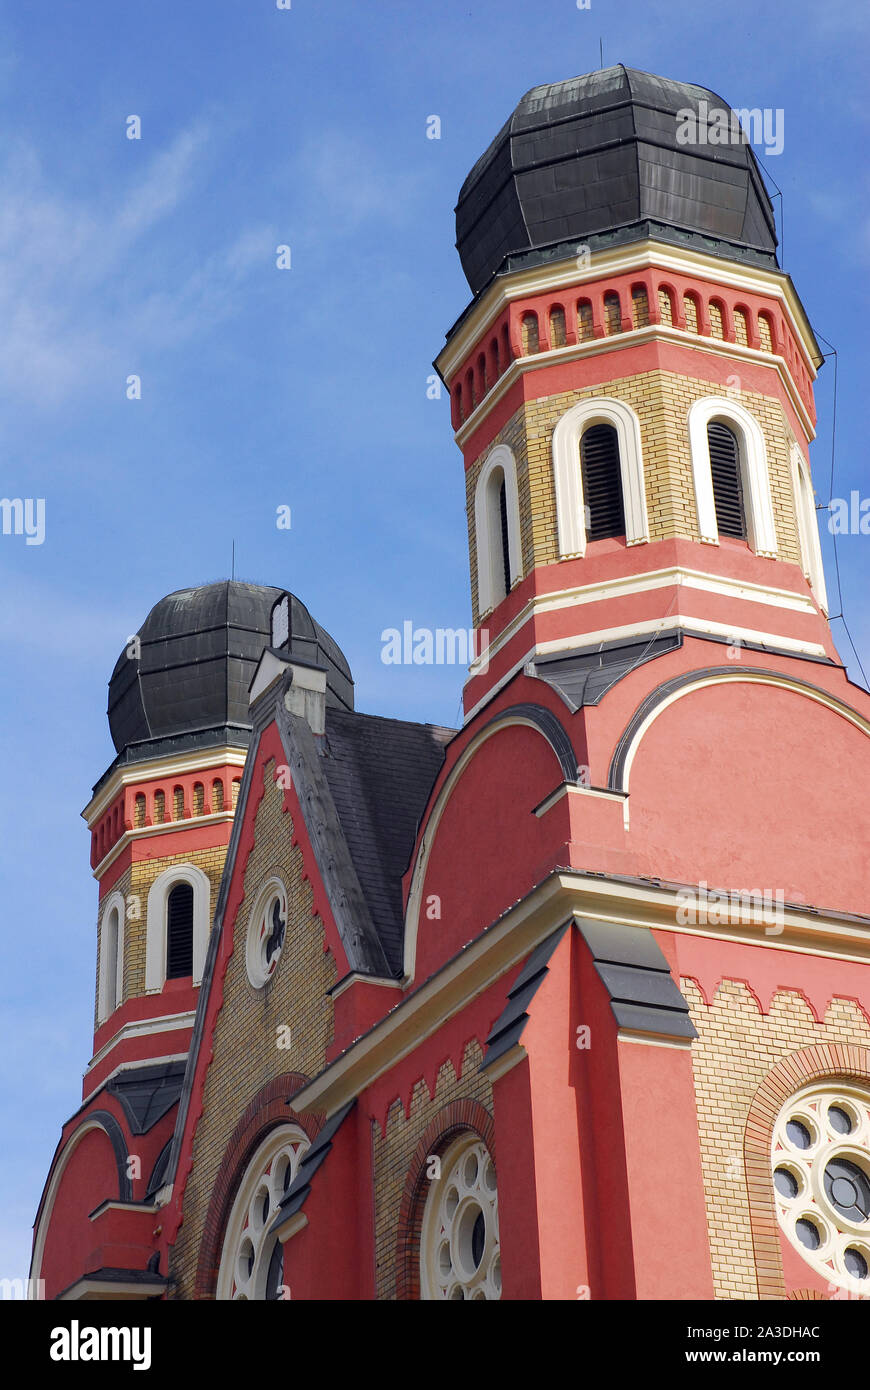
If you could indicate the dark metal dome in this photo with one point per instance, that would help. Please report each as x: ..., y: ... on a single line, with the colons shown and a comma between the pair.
x: 597, y: 160
x: 199, y: 650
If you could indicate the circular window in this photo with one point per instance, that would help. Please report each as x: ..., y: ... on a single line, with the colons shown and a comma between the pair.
x: 252, y: 1261
x: 459, y: 1247
x: 267, y: 927
x: 820, y: 1159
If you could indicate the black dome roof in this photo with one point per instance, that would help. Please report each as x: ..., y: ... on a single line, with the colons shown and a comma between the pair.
x: 596, y: 159
x: 199, y: 650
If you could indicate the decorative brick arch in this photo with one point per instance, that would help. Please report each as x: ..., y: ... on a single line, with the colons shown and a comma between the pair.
x: 269, y: 1108
x: 821, y: 1062
x: 453, y: 1119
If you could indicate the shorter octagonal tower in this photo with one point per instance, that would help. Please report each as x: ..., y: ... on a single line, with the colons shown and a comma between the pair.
x: 160, y: 819
x: 161, y: 815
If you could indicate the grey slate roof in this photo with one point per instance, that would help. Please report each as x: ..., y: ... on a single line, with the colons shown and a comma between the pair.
x: 199, y: 650
x: 581, y: 159
x: 380, y: 773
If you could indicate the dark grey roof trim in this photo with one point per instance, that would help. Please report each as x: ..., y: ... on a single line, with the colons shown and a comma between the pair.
x: 644, y: 997
x: 147, y: 1093
x: 585, y: 675
x: 147, y: 750
x: 109, y: 1276
x: 297, y: 1196
x: 616, y: 775
x: 119, y: 1146
x: 549, y: 726
x: 365, y: 951
x: 508, y: 1028
x: 158, y: 1172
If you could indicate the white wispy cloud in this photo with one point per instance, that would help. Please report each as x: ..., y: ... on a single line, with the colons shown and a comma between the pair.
x: 82, y: 283
x: 347, y: 183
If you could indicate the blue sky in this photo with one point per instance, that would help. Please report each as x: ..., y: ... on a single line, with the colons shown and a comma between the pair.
x: 304, y: 388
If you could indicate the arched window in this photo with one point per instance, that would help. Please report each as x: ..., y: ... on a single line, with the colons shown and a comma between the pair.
x: 111, y: 979
x: 159, y: 808
x: 481, y: 374
x: 497, y: 529
x: 765, y: 332
x: 727, y: 483
x: 723, y: 489
x: 558, y: 337
x: 741, y: 332
x: 179, y: 932
x: 639, y: 307
x: 690, y: 309
x: 612, y: 313
x: 580, y: 463
x: 602, y: 482
x: 177, y: 925
x: 252, y: 1258
x: 493, y: 360
x: 217, y: 795
x: 717, y: 322
x: 666, y: 306
x: 139, y: 811
x: 178, y: 803
x: 457, y: 403
x: 237, y: 782
x: 470, y: 388
x: 198, y: 798
x: 530, y: 333
x: 808, y: 529
x: 585, y: 326
x: 460, y: 1255
x: 506, y: 355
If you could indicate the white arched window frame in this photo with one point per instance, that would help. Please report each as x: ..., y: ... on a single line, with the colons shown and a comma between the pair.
x: 570, y: 515
x: 808, y: 527
x: 155, y: 940
x: 111, y: 972
x: 760, y: 526
x: 487, y: 528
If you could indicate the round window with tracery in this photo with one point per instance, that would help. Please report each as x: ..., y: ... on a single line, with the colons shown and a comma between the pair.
x: 820, y: 1157
x: 252, y: 1260
x: 459, y: 1246
x: 267, y: 927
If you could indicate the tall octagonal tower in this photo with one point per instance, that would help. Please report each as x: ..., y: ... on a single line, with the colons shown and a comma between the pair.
x: 631, y: 388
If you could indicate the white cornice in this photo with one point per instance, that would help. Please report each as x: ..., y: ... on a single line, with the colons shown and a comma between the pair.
x: 565, y: 893
x: 622, y: 585
x: 164, y: 828
x: 718, y: 347
x: 142, y: 1027
x: 622, y: 260
x: 157, y: 769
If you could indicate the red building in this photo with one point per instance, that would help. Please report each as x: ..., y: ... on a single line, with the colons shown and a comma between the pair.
x: 573, y: 1001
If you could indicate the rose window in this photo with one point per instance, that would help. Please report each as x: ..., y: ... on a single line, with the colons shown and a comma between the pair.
x: 459, y: 1246
x: 252, y: 1261
x: 821, y: 1176
x: 266, y: 931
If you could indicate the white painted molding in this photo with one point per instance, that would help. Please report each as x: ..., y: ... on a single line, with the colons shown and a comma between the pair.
x: 110, y: 991
x: 568, y: 474
x: 760, y: 524
x: 487, y: 528
x: 155, y: 940
x: 808, y: 527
